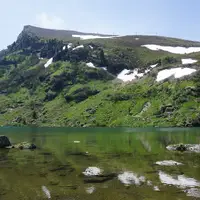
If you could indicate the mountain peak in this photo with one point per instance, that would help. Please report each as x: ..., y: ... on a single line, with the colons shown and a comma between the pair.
x: 54, y: 33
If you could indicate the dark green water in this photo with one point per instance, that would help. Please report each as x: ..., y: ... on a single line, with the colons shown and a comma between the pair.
x: 58, y: 163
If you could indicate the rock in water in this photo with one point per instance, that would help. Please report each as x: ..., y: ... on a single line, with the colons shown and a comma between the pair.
x: 184, y: 147
x: 25, y: 145
x: 4, y: 141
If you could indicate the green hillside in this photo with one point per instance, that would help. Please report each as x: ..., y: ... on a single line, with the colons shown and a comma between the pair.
x: 70, y: 93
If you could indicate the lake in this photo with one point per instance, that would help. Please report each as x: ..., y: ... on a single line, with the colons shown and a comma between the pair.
x: 127, y: 161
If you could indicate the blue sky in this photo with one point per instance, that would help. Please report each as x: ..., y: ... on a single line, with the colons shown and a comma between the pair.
x: 175, y: 18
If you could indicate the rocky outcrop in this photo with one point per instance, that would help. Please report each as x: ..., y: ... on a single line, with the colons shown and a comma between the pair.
x: 4, y: 141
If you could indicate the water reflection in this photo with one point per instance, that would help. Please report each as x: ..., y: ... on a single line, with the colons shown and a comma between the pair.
x: 129, y: 155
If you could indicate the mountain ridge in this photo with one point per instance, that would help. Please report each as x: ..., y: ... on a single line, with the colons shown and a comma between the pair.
x: 62, y: 34
x: 56, y: 33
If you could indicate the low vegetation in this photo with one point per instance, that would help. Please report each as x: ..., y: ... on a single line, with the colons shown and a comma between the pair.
x: 69, y: 93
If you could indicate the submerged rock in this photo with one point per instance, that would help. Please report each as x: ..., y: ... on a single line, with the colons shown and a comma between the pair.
x: 96, y: 175
x: 24, y: 145
x: 4, y: 141
x: 184, y: 147
x: 92, y: 171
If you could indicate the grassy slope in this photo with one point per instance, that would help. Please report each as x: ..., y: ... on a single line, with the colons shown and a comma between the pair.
x: 116, y: 104
x: 108, y: 107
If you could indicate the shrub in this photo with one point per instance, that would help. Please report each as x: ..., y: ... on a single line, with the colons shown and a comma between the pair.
x: 81, y: 94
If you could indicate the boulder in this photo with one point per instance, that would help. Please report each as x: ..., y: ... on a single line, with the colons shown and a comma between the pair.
x: 24, y: 145
x: 4, y: 141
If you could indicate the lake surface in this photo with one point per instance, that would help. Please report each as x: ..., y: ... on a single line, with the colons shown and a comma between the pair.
x: 126, y: 158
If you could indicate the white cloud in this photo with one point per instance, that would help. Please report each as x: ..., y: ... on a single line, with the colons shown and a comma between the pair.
x: 44, y: 20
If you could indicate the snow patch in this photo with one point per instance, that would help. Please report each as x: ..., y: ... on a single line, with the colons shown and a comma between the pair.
x: 92, y: 171
x: 64, y: 48
x: 146, y: 71
x: 91, y: 47
x: 49, y: 62
x: 78, y: 47
x: 87, y: 37
x: 176, y: 72
x: 128, y: 75
x: 129, y: 178
x: 175, y: 50
x: 90, y: 65
x: 168, y: 163
x: 90, y: 190
x: 46, y: 192
x: 153, y: 66
x: 69, y: 46
x: 105, y: 68
x: 188, y: 61
x: 179, y: 181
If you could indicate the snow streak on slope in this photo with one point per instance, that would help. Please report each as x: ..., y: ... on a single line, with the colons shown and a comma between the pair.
x: 87, y: 37
x: 90, y: 65
x: 175, y: 50
x: 78, y: 47
x: 128, y: 75
x: 176, y: 72
x: 188, y: 61
x: 48, y: 62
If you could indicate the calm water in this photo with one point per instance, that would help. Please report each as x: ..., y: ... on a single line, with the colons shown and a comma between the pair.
x: 55, y: 169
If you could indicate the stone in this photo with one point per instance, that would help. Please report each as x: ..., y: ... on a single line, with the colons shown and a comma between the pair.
x: 4, y: 141
x: 184, y: 147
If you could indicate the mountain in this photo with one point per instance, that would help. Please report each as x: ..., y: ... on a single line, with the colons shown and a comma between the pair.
x: 51, y: 33
x: 69, y: 78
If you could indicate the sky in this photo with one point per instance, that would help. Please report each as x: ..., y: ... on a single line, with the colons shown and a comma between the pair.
x: 173, y: 18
